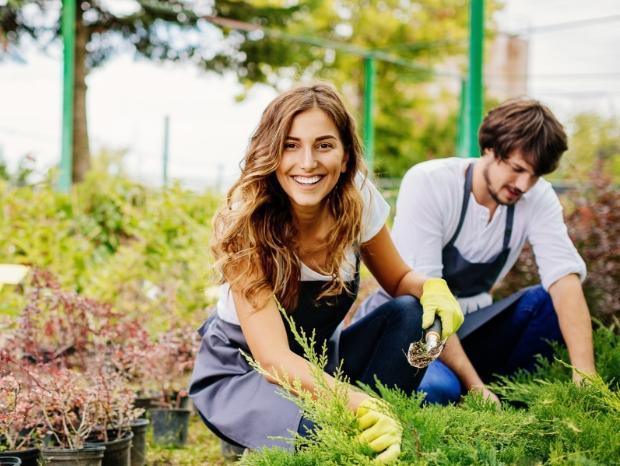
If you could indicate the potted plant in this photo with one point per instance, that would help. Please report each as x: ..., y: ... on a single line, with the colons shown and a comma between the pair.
x: 170, y: 363
x: 59, y: 336
x: 18, y: 419
x: 67, y: 403
x: 114, y: 414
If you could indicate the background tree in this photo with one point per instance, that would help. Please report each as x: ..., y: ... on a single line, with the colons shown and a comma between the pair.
x: 594, y: 145
x: 163, y: 31
x: 415, y: 120
x: 416, y: 111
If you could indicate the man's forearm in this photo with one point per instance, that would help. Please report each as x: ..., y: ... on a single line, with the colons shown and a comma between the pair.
x: 455, y: 358
x: 575, y: 322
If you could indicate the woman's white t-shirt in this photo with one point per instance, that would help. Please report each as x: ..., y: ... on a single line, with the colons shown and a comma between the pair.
x: 375, y: 211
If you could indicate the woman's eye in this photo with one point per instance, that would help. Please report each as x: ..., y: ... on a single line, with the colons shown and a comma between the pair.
x: 289, y: 145
x: 325, y: 145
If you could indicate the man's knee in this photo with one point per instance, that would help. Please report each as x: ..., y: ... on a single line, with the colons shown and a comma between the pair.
x: 440, y: 384
x: 538, y: 305
x: 538, y: 301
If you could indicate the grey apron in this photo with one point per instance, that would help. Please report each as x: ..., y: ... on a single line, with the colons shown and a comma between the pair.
x: 239, y: 403
x: 463, y: 277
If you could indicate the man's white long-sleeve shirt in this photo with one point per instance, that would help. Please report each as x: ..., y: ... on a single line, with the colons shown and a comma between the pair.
x: 427, y: 214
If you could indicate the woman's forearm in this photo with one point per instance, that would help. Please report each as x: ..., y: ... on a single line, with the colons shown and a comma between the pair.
x: 410, y: 284
x: 292, y: 367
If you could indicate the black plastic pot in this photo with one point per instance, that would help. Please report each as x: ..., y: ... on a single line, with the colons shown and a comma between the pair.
x: 29, y: 457
x: 10, y: 461
x: 170, y: 426
x: 146, y: 403
x: 87, y: 456
x: 117, y: 452
x: 185, y: 402
x: 138, y: 444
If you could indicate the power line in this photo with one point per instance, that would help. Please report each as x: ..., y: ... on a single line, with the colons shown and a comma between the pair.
x: 610, y: 75
x: 564, y: 25
x: 378, y: 54
x: 27, y: 134
x: 427, y: 45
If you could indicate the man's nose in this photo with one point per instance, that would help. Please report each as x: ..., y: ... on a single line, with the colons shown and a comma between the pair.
x: 524, y: 182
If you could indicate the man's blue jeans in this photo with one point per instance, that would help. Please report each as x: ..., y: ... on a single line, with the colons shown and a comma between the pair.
x: 508, y: 342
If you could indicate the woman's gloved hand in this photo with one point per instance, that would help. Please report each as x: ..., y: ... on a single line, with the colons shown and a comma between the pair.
x: 438, y: 299
x: 380, y: 431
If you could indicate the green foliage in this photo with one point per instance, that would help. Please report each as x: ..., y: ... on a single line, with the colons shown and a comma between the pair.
x: 203, y: 448
x: 145, y: 251
x: 415, y: 110
x: 594, y: 141
x: 545, y: 418
x: 593, y: 221
x: 415, y: 113
x: 326, y: 406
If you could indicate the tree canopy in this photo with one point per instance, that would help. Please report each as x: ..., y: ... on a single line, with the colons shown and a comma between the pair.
x: 300, y: 40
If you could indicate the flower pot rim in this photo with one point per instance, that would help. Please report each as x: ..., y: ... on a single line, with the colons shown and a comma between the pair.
x: 139, y: 422
x: 183, y: 410
x: 89, y: 447
x: 127, y: 436
x: 19, y: 450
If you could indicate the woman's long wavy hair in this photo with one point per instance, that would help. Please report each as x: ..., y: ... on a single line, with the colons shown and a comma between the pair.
x: 255, y: 237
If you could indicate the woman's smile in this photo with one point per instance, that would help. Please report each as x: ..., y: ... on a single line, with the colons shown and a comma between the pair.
x: 308, y: 180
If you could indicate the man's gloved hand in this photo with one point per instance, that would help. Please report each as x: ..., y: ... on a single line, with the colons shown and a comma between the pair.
x: 438, y: 299
x: 379, y: 430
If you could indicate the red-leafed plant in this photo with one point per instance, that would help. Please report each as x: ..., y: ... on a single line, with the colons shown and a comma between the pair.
x: 170, y: 363
x: 593, y: 222
x: 114, y: 403
x: 19, y: 414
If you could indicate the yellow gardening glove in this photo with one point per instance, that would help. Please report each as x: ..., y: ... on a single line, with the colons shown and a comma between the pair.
x: 437, y: 299
x: 380, y: 431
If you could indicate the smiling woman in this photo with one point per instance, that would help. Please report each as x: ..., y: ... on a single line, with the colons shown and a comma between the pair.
x: 312, y: 161
x: 293, y: 231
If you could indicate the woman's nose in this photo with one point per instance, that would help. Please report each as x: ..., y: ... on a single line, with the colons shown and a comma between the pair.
x: 308, y: 162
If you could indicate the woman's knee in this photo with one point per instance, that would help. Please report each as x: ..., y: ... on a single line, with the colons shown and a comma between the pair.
x: 406, y: 312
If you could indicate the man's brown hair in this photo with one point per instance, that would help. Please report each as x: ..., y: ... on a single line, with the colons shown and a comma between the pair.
x: 528, y: 126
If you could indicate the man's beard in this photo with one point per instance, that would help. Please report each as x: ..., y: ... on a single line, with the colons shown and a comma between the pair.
x: 492, y: 193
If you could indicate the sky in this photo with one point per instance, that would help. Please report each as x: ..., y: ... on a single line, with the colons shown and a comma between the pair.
x: 571, y: 69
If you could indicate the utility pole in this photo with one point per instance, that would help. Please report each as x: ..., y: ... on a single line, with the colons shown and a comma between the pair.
x: 68, y: 37
x: 474, y: 88
x: 369, y: 126
x: 166, y: 151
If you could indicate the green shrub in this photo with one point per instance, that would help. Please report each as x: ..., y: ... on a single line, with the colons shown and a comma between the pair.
x: 143, y: 250
x: 545, y: 418
x: 593, y: 221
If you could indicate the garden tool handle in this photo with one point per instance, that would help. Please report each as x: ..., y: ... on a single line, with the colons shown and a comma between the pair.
x: 432, y: 335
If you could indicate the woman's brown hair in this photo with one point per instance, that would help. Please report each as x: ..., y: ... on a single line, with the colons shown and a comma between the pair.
x: 255, y: 237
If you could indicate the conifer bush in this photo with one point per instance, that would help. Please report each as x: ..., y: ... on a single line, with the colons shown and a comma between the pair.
x: 545, y: 419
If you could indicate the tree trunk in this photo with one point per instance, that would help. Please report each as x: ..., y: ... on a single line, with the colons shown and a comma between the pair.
x: 81, y: 149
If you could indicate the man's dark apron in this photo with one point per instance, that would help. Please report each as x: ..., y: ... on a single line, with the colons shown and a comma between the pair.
x: 465, y: 278
x: 237, y: 401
